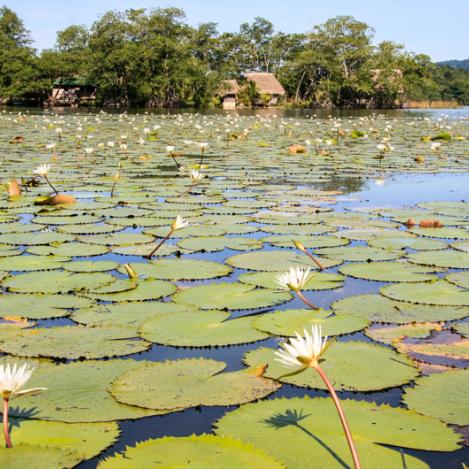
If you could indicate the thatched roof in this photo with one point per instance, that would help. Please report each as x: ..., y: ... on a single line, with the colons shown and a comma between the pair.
x: 228, y: 87
x: 266, y: 83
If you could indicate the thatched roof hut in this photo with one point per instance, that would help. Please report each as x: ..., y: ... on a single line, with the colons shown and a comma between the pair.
x: 266, y: 83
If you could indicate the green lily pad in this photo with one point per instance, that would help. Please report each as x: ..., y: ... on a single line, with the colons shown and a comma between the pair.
x: 90, y: 266
x: 232, y: 296
x: 73, y: 342
x: 218, y: 243
x: 182, y: 269
x: 317, y: 281
x: 309, y: 242
x: 200, y: 329
x: 462, y: 328
x: 189, y: 231
x: 276, y: 261
x: 56, y: 282
x: 190, y: 382
x: 78, y: 392
x: 194, y: 451
x: 31, y: 263
x: 145, y: 249
x: 75, y: 249
x: 350, y: 366
x: 39, y: 457
x: 445, y: 232
x: 441, y: 395
x: 461, y: 246
x: 419, y: 244
x: 287, y: 322
x: 34, y: 239
x: 283, y: 427
x: 429, y: 293
x: 359, y: 253
x: 40, y: 306
x: 388, y: 271
x: 377, y: 308
x: 388, y: 334
x: 449, y: 259
x: 118, y: 239
x: 461, y: 279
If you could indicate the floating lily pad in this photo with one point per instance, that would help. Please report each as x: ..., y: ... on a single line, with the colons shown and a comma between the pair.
x: 359, y: 253
x: 77, y: 392
x: 145, y: 249
x: 189, y: 231
x: 441, y: 395
x: 419, y: 244
x: 75, y: 249
x: 232, y: 296
x: 172, y: 385
x: 73, y: 342
x: 350, y: 366
x: 40, y: 306
x: 389, y: 334
x: 461, y: 246
x: 461, y: 279
x: 192, y: 451
x: 310, y: 242
x: 445, y: 232
x: 34, y: 239
x: 56, y: 282
x: 283, y: 427
x: 287, y: 322
x: 218, y: 243
x: 118, y: 239
x: 31, y: 263
x: 380, y: 309
x: 200, y: 329
x: 182, y: 269
x: 275, y: 261
x: 39, y: 457
x: 462, y: 328
x: 317, y: 281
x: 449, y: 259
x: 388, y: 271
x: 429, y: 293
x: 90, y: 266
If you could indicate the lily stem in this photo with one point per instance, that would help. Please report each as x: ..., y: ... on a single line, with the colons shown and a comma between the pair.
x: 174, y: 159
x: 149, y: 256
x: 113, y: 188
x: 50, y: 184
x: 305, y: 301
x: 314, y: 259
x: 6, y: 431
x: 201, y: 159
x: 343, y: 419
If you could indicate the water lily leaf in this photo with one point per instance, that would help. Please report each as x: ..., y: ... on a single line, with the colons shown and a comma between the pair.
x: 40, y: 306
x: 419, y: 244
x: 317, y: 281
x: 275, y: 261
x: 218, y: 243
x: 310, y: 242
x: 172, y: 385
x: 461, y: 246
x: 441, y: 395
x: 34, y: 239
x: 32, y: 263
x: 148, y: 289
x: 39, y: 457
x: 118, y: 239
x: 300, y: 230
x: 462, y: 328
x: 350, y: 366
x: 389, y: 271
x: 380, y: 309
x: 284, y: 428
x: 390, y: 334
x: 359, y: 253
x: 189, y: 231
x: 445, y: 232
x: 200, y: 329
x: 90, y: 266
x: 182, y: 269
x: 85, y: 440
x: 77, y: 392
x: 450, y: 259
x: 75, y: 249
x: 372, y: 234
x: 232, y: 296
x: 88, y: 229
x: 73, y: 342
x: 66, y: 219
x: 145, y: 249
x: 429, y: 293
x: 192, y: 451
x: 130, y: 315
x: 287, y: 322
x: 56, y: 282
x: 461, y: 279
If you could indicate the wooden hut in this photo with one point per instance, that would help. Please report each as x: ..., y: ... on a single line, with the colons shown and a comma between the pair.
x: 267, y: 86
x: 228, y: 94
x: 71, y: 91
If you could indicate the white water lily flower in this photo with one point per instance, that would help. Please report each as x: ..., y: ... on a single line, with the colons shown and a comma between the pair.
x: 13, y: 378
x: 203, y: 145
x: 381, y: 147
x: 88, y: 150
x: 179, y: 223
x: 111, y: 144
x: 302, y: 351
x: 169, y: 149
x: 51, y: 146
x: 435, y: 146
x: 195, y: 176
x: 294, y: 279
x: 123, y: 146
x: 42, y: 170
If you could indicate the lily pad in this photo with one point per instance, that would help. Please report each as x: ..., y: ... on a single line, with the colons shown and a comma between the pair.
x: 31, y: 263
x: 359, y: 253
x: 450, y: 259
x: 218, y: 243
x: 194, y: 451
x: 317, y: 281
x: 75, y: 249
x: 419, y: 244
x: 190, y: 382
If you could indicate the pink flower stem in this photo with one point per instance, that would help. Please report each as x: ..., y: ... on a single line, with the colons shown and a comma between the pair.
x: 6, y: 431
x: 343, y: 419
x: 149, y: 256
x: 305, y: 301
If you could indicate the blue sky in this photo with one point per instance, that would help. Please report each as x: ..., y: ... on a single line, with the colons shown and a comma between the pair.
x: 439, y: 29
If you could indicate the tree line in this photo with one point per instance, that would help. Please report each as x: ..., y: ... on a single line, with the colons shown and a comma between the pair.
x: 154, y: 58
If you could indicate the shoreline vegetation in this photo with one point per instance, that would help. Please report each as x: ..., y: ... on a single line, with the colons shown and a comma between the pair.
x: 154, y: 59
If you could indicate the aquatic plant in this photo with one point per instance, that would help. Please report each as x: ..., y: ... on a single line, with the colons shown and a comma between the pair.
x: 294, y: 280
x: 177, y: 224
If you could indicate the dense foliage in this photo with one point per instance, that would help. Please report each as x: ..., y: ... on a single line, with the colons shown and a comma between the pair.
x: 153, y: 58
